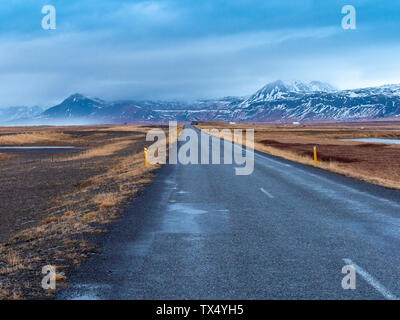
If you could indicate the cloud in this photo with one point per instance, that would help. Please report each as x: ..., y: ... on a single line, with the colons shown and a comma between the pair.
x: 148, y: 9
x: 145, y: 14
x: 88, y: 62
x: 188, y: 49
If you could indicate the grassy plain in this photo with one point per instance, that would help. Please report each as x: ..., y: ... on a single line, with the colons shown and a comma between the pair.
x: 371, y: 162
x: 54, y: 203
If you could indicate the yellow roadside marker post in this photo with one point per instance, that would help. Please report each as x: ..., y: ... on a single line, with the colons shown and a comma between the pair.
x: 315, y: 157
x: 146, y: 159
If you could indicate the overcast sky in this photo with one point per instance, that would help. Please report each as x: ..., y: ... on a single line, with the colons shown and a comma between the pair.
x: 186, y: 49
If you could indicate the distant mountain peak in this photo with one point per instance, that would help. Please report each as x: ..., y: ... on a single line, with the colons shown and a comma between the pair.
x: 321, y: 86
x: 298, y: 86
x: 277, y: 101
x: 298, y: 101
x: 77, y: 97
x: 281, y: 90
x: 19, y: 112
x: 76, y: 105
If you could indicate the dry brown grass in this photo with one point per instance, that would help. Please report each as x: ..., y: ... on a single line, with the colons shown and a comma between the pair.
x: 373, y: 168
x: 35, y: 138
x: 127, y: 128
x: 102, y: 151
x: 91, y: 216
x: 107, y: 200
x: 50, y: 220
x: 68, y: 213
x: 13, y: 258
x: 14, y: 262
x: 348, y: 170
x: 94, y: 202
x: 60, y: 277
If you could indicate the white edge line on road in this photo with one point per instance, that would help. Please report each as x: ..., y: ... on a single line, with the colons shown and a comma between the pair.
x: 372, y: 281
x: 274, y: 161
x: 267, y: 193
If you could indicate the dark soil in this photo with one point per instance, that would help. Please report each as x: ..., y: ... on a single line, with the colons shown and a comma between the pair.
x: 34, y: 183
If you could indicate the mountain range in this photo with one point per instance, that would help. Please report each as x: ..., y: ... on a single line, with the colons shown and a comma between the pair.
x: 15, y: 113
x: 278, y: 102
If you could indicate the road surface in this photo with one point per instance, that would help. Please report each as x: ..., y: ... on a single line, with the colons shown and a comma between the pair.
x: 283, y: 232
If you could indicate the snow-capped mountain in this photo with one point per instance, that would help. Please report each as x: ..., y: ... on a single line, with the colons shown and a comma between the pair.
x: 280, y: 90
x: 14, y: 113
x: 280, y: 102
x: 76, y: 106
x: 80, y: 109
x: 276, y: 102
x: 315, y: 86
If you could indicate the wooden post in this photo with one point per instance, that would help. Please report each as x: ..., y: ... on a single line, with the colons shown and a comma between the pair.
x: 315, y: 157
x: 146, y: 159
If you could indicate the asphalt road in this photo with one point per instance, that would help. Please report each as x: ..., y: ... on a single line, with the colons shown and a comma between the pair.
x: 283, y: 232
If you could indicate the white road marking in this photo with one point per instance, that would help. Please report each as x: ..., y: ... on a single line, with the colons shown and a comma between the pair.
x: 351, y: 189
x: 372, y: 281
x: 271, y: 160
x: 267, y: 193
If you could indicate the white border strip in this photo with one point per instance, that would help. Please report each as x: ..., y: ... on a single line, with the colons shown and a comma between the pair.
x: 267, y: 193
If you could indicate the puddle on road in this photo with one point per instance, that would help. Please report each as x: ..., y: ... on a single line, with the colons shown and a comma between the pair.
x: 185, y: 208
x: 195, y: 218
